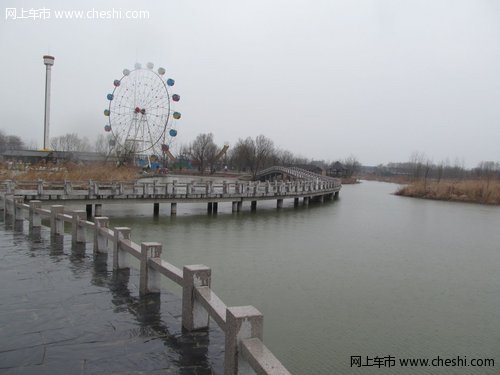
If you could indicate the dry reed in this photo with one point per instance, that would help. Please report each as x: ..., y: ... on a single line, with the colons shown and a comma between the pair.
x: 474, y: 191
x: 71, y: 172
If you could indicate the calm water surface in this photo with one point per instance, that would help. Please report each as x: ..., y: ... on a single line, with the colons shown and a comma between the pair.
x: 372, y: 274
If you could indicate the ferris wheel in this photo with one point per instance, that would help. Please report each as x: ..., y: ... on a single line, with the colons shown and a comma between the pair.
x: 141, y: 112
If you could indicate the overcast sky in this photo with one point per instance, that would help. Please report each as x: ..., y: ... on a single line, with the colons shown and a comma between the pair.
x: 378, y: 79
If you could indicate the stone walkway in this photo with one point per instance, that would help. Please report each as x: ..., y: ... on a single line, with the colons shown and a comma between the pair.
x: 64, y: 312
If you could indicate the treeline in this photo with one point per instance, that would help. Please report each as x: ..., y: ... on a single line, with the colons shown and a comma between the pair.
x: 70, y: 142
x: 421, y: 168
x: 10, y: 142
x: 247, y: 155
x: 254, y: 154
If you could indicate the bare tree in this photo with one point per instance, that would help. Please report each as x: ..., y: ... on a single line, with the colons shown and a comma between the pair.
x: 102, y: 144
x: 352, y: 165
x: 284, y: 157
x: 253, y: 154
x: 203, y: 151
x: 10, y: 142
x: 417, y: 160
x: 70, y: 142
x: 242, y: 154
x: 264, y: 151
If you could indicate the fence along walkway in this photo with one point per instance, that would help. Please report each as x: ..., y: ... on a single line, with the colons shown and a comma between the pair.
x: 243, y: 325
x: 306, y: 184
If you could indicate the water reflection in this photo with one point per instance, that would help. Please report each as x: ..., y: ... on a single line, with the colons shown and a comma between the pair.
x: 92, y: 309
x: 191, y: 348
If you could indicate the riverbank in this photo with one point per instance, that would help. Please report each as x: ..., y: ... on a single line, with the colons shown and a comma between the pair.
x: 472, y: 191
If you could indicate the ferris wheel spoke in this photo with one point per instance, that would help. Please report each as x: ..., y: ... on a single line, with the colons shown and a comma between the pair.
x: 149, y: 130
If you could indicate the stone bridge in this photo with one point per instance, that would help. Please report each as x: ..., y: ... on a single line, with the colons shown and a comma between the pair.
x: 294, y: 184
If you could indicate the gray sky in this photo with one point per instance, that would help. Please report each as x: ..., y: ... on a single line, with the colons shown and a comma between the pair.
x: 378, y: 79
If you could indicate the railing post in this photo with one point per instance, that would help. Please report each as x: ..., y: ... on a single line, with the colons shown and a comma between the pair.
x: 35, y: 219
x: 100, y: 240
x: 77, y: 230
x: 39, y: 187
x: 18, y: 208
x: 7, y: 207
x: 149, y: 279
x: 242, y: 322
x: 91, y: 189
x: 56, y: 224
x: 194, y: 316
x: 11, y: 186
x: 67, y: 187
x: 121, y: 233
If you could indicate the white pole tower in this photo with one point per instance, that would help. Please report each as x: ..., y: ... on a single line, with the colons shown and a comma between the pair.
x: 48, y: 61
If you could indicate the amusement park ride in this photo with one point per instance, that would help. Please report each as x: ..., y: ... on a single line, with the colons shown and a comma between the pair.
x: 141, y: 117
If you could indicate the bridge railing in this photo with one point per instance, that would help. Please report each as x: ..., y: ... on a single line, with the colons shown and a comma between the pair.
x: 242, y: 325
x: 171, y: 190
x: 298, y: 173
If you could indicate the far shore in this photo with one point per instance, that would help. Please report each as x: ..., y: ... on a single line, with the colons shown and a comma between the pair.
x: 471, y: 191
x: 480, y: 191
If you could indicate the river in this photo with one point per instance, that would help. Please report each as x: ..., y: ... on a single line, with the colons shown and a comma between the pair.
x: 370, y: 275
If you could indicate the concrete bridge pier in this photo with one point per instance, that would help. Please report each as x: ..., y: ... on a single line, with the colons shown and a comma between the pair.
x: 253, y: 206
x: 336, y: 195
x: 279, y: 203
x: 173, y: 209
x: 321, y: 198
x: 156, y: 209
x: 306, y: 201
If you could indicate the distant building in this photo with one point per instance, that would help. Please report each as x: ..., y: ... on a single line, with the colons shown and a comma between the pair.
x: 337, y: 169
